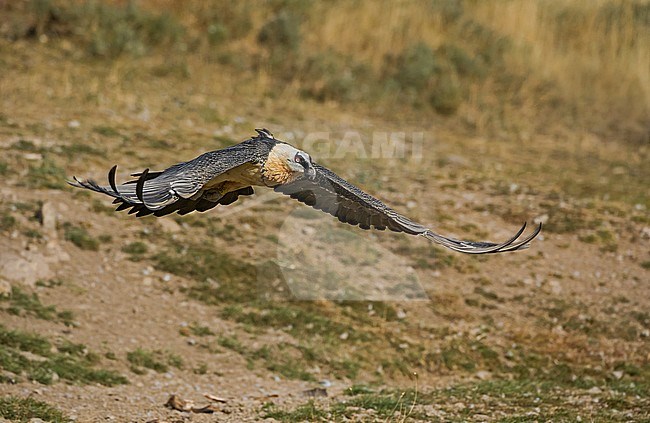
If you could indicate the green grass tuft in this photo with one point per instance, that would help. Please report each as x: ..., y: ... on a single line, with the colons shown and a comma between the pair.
x: 306, y: 412
x: 135, y: 250
x: 158, y: 361
x: 22, y: 303
x: 47, y: 174
x: 7, y: 221
x: 66, y: 361
x: 25, y: 409
x: 80, y: 237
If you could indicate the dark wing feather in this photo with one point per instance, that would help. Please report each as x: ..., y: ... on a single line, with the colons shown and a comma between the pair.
x: 179, y: 188
x: 332, y: 194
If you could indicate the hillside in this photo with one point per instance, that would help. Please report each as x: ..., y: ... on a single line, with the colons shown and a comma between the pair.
x: 104, y: 316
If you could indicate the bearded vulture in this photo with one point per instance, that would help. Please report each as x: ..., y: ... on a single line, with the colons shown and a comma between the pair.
x: 222, y: 176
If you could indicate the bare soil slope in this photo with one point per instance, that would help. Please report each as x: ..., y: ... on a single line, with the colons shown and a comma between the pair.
x: 104, y: 316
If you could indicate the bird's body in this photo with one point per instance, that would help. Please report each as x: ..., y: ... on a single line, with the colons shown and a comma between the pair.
x: 222, y: 176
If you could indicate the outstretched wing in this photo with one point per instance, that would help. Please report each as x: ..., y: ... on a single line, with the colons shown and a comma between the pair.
x: 332, y: 194
x: 181, y: 187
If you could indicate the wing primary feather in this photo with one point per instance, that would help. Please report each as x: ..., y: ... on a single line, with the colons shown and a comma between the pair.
x: 140, y: 185
x: 123, y: 206
x: 471, y: 247
x: 111, y: 179
x: 524, y: 243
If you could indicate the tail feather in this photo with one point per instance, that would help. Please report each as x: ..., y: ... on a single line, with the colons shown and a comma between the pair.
x: 151, y: 190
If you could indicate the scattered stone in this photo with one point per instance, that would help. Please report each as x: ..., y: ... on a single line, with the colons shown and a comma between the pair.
x: 645, y: 232
x: 315, y: 393
x: 215, y: 398
x: 344, y: 336
x: 26, y: 269
x: 618, y: 374
x: 556, y: 287
x: 456, y: 161
x: 169, y: 225
x: 308, y: 230
x: 144, y: 115
x: 48, y: 218
x: 483, y: 375
x: 5, y: 289
x: 33, y: 157
x: 401, y: 314
x: 541, y: 219
x: 595, y: 391
x: 177, y: 403
x: 73, y: 124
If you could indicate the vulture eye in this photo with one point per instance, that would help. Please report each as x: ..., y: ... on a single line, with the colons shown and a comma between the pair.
x: 298, y: 158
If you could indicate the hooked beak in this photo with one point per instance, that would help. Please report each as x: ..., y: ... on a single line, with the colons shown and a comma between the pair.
x: 310, y: 171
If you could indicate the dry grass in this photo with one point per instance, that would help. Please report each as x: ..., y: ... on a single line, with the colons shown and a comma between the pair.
x: 514, y: 65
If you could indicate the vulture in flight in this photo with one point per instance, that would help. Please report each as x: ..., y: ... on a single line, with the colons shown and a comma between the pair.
x: 222, y: 176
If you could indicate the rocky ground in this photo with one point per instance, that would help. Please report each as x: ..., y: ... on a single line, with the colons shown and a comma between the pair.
x: 105, y: 316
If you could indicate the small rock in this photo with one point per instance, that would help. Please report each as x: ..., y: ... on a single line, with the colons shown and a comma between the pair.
x: 618, y: 374
x: 27, y: 270
x: 457, y: 161
x: 169, y: 225
x: 308, y: 230
x: 144, y: 115
x: 645, y: 232
x: 595, y: 390
x: 315, y: 392
x: 344, y: 336
x: 48, y: 218
x: 556, y: 287
x: 215, y: 398
x: 541, y: 219
x: 33, y: 157
x: 401, y: 314
x: 74, y: 124
x: 5, y: 289
x: 483, y: 374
